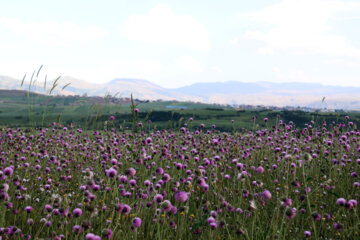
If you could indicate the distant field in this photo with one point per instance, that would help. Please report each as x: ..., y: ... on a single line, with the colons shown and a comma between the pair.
x: 19, y: 109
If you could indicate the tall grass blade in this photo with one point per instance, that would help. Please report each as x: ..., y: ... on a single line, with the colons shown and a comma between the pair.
x: 22, y: 82
x: 65, y: 86
x: 45, y: 82
x: 37, y: 74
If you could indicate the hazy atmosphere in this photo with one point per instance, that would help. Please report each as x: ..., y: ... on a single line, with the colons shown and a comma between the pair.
x: 177, y: 43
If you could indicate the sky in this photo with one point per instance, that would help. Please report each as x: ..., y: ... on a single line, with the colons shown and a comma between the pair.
x: 178, y: 43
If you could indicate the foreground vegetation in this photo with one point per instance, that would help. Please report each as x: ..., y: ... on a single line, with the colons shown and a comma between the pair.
x: 275, y: 183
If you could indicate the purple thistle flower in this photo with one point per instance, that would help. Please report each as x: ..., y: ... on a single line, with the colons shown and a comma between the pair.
x: 158, y: 198
x: 211, y: 220
x: 213, y: 225
x: 338, y: 226
x: 77, y: 212
x: 266, y: 195
x: 290, y: 213
x: 341, y: 202
x: 353, y: 202
x: 107, y: 233
x: 8, y: 171
x: 76, y: 229
x: 307, y: 234
x: 126, y: 209
x: 48, y: 208
x: 166, y: 206
x: 111, y: 172
x: 260, y: 170
x: 286, y: 202
x: 159, y: 171
x: 136, y: 222
x: 90, y: 236
x: 28, y: 209
x: 316, y: 216
x: 181, y: 196
x: 132, y: 172
x: 30, y: 221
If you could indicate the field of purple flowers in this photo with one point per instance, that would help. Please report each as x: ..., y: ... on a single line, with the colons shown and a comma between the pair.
x: 279, y: 183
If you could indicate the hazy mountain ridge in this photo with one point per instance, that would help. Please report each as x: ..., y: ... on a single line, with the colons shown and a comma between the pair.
x: 231, y: 92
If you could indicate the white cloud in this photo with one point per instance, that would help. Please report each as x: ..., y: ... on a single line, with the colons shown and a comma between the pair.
x: 217, y: 69
x: 265, y: 51
x: 162, y: 26
x: 51, y: 33
x: 189, y: 64
x: 303, y: 27
x: 147, y: 66
x: 344, y: 62
x: 291, y: 76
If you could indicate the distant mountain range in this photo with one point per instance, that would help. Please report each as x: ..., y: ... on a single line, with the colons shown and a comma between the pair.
x: 231, y: 92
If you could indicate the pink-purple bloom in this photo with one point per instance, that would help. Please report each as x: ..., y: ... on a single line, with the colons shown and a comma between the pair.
x: 181, y: 196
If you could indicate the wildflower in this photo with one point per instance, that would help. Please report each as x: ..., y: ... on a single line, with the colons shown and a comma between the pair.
x: 8, y: 171
x: 341, y: 202
x: 160, y: 171
x: 286, y: 202
x: 158, y: 198
x: 111, y: 172
x: 307, y: 234
x: 131, y: 172
x: 30, y: 221
x: 77, y: 212
x: 266, y: 195
x: 213, y: 225
x: 136, y: 222
x: 4, y: 187
x: 211, y: 220
x: 28, y: 209
x: 181, y: 196
x: 76, y: 229
x: 290, y: 213
x: 91, y: 236
x: 107, y: 233
x: 338, y: 226
x: 316, y: 216
x: 353, y: 202
x: 166, y: 206
x: 260, y: 170
x: 126, y: 209
x: 48, y: 208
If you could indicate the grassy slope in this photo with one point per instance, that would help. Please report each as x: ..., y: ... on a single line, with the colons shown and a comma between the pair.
x: 85, y: 112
